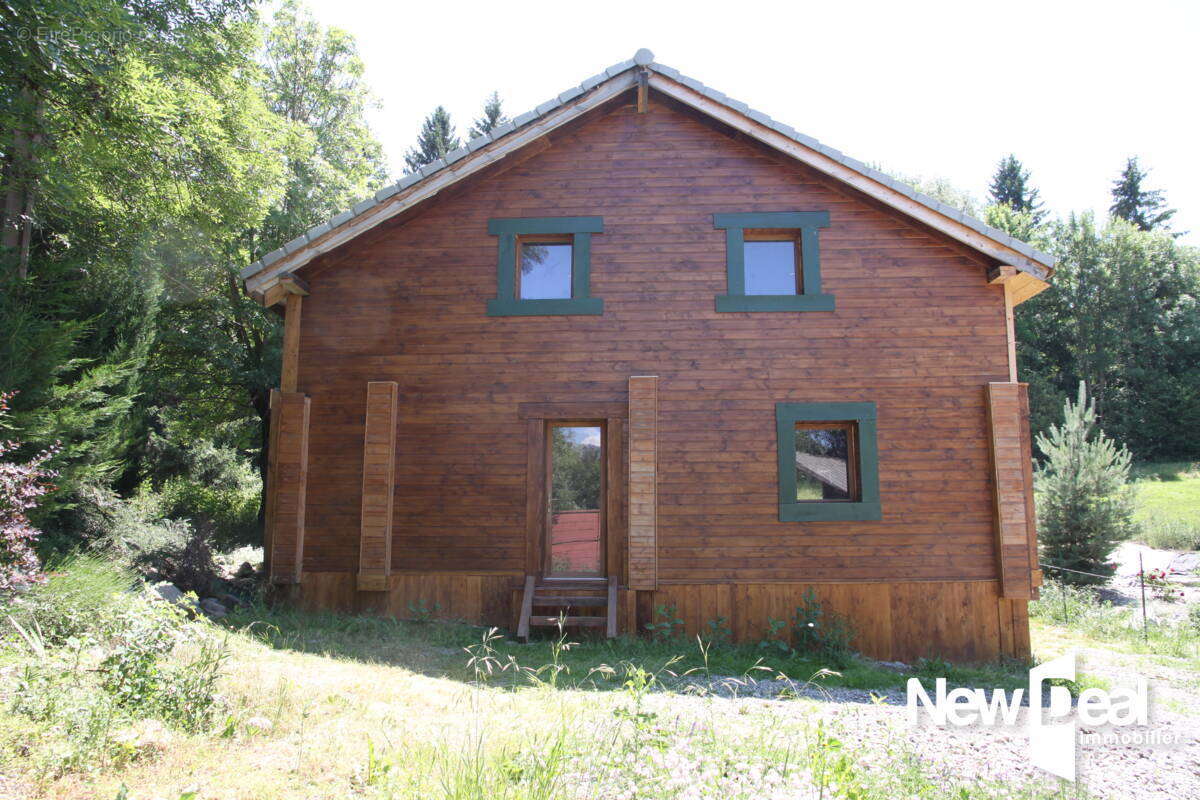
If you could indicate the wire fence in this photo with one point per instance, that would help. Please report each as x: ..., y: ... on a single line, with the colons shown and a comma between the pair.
x: 1141, y: 582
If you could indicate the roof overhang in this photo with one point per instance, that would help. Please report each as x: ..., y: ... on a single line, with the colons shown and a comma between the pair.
x: 268, y: 280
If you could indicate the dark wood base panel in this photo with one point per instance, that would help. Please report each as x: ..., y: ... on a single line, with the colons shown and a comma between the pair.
x: 962, y: 621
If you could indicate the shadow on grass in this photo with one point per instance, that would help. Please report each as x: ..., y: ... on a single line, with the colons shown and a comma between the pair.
x: 589, y: 662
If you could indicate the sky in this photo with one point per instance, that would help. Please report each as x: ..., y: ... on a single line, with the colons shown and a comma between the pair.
x: 921, y: 88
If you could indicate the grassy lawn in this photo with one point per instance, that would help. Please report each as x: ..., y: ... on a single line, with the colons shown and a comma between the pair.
x: 322, y: 706
x: 1168, y: 500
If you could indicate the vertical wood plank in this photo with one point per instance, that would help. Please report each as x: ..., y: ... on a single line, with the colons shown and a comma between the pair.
x: 1012, y: 489
x: 614, y: 488
x: 291, y: 477
x: 535, y: 495
x: 643, y: 482
x: 378, y: 486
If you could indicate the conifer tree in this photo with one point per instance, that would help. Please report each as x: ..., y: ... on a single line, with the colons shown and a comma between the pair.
x: 493, y: 115
x: 1010, y: 186
x: 435, y: 140
x: 1083, y: 499
x: 1144, y: 208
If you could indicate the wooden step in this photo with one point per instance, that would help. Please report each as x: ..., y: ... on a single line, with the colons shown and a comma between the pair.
x: 565, y: 600
x: 568, y: 593
x: 568, y: 622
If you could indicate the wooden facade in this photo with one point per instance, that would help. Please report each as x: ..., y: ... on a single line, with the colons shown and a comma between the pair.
x: 426, y: 418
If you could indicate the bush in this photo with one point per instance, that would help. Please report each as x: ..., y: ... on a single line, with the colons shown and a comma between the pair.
x: 21, y: 484
x: 819, y: 632
x: 1085, y: 505
x: 98, y: 663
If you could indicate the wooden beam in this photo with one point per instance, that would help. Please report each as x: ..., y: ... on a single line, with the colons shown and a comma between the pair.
x: 378, y: 486
x: 643, y: 92
x: 1010, y: 326
x: 293, y: 284
x: 291, y: 344
x: 1001, y: 274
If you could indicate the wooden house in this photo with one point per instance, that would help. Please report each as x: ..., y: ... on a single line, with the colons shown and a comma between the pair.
x: 643, y: 348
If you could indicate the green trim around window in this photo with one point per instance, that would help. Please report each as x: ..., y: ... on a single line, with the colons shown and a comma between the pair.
x: 808, y: 223
x: 863, y: 415
x: 507, y: 304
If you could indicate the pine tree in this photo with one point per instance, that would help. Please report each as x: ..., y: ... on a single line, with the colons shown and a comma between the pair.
x: 1144, y: 208
x: 1083, y: 499
x: 435, y: 140
x: 1010, y: 186
x: 493, y: 115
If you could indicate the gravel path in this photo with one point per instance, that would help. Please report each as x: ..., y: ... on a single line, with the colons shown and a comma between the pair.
x: 1001, y: 754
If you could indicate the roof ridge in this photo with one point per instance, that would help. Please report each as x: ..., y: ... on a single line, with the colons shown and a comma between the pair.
x: 645, y: 59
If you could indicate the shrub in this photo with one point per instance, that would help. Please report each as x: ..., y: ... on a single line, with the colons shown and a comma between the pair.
x: 21, y: 484
x: 667, y: 623
x: 822, y: 633
x: 1084, y: 502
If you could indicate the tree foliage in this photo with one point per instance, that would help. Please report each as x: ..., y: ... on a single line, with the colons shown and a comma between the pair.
x: 493, y: 115
x: 1084, y: 504
x: 576, y: 466
x: 436, y: 138
x: 1145, y: 208
x: 1121, y: 315
x: 1011, y: 187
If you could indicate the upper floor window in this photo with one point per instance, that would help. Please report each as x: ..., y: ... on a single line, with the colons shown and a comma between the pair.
x: 773, y: 261
x: 544, y: 266
x: 828, y: 461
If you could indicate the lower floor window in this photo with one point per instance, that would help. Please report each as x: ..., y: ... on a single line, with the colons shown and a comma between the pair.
x: 828, y: 461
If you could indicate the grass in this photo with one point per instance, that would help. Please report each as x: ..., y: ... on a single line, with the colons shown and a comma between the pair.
x: 1168, y: 500
x: 321, y: 705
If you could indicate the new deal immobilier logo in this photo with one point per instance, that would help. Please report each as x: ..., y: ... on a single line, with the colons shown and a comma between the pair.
x: 1052, y: 729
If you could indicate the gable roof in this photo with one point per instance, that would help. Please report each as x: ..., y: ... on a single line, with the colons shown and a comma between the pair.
x: 1031, y: 267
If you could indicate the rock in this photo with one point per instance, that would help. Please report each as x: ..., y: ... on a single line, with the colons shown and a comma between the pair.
x: 213, y: 607
x: 259, y: 724
x: 169, y: 592
x: 1186, y: 563
x: 231, y: 600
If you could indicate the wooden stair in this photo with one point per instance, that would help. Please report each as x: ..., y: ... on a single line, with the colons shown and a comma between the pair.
x: 545, y: 600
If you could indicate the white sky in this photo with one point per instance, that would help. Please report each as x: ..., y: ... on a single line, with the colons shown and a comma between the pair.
x: 921, y: 88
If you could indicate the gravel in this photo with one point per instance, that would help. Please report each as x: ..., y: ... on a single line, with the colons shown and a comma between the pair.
x: 876, y: 721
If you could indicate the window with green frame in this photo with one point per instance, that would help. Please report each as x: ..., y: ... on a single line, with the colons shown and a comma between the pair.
x: 544, y: 266
x: 773, y: 261
x: 828, y: 462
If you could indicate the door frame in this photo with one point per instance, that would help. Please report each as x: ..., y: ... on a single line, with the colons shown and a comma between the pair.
x: 615, y: 476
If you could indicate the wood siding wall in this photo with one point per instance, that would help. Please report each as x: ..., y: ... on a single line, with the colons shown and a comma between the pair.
x: 917, y: 330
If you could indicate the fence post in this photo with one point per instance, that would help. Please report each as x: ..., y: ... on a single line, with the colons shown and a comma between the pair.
x: 1142, y: 580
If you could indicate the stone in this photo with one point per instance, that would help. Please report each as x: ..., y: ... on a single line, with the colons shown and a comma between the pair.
x: 168, y: 591
x: 259, y: 724
x: 213, y: 608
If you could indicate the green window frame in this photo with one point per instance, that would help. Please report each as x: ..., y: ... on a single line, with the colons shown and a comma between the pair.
x: 808, y: 223
x: 862, y: 415
x: 507, y: 304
